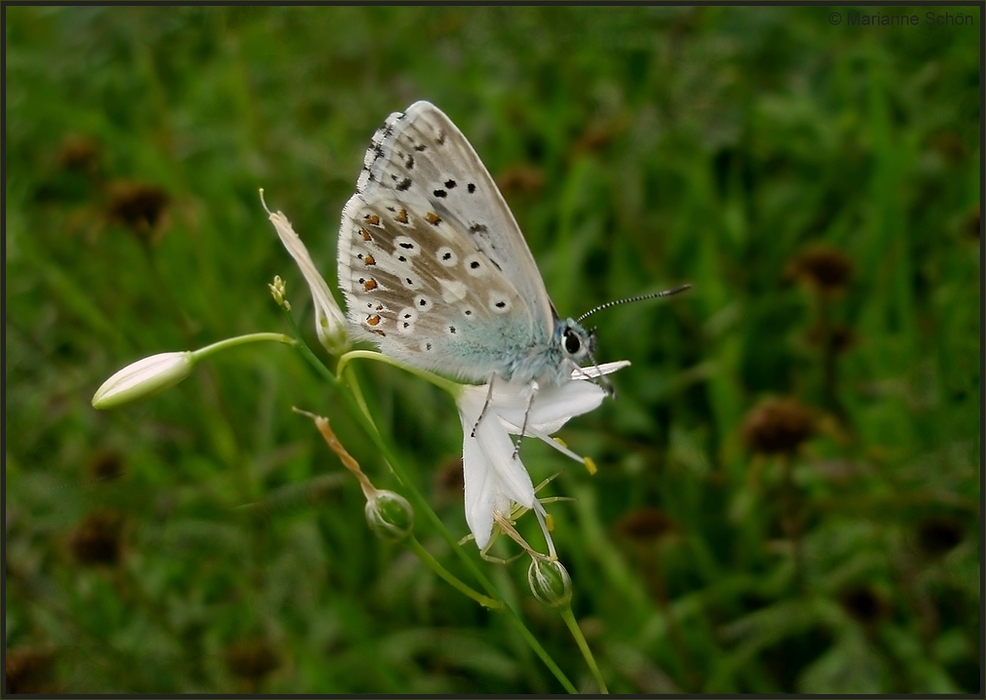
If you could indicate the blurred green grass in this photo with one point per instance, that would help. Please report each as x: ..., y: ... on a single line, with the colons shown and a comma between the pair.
x: 817, y: 184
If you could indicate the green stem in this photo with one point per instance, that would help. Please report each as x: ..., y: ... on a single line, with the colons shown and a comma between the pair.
x: 433, y: 564
x: 573, y: 627
x: 242, y: 340
x: 447, y: 385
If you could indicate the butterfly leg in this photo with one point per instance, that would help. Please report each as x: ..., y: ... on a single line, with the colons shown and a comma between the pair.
x: 489, y: 398
x: 533, y: 388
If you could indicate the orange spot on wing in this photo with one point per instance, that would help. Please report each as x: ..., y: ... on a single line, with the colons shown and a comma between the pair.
x: 365, y: 234
x: 432, y: 218
x: 373, y: 320
x: 402, y: 216
x: 370, y: 285
x: 369, y: 260
x: 372, y: 219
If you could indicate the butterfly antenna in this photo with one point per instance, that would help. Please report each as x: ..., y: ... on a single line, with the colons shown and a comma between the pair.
x: 608, y: 304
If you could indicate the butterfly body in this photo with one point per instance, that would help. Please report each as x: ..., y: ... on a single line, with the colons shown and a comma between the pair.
x: 435, y: 269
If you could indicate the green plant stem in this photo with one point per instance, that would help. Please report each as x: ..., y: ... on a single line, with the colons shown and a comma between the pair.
x: 433, y: 564
x: 347, y: 389
x: 573, y: 627
x: 789, y: 518
x: 448, y: 386
x: 242, y: 340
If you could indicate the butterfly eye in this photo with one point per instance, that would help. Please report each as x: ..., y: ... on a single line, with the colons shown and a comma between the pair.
x: 572, y: 342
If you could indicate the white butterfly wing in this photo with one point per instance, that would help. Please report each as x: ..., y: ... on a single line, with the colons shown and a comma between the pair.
x: 423, y: 155
x: 417, y: 287
x: 432, y: 263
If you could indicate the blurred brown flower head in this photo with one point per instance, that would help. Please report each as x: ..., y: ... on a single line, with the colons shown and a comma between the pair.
x: 864, y: 604
x: 97, y: 539
x: 139, y: 207
x: 449, y: 482
x: 80, y: 154
x: 28, y: 671
x: 520, y: 180
x: 251, y: 659
x: 841, y: 337
x: 939, y: 535
x: 598, y: 137
x: 778, y: 426
x: 825, y: 269
x: 106, y: 466
x: 645, y: 525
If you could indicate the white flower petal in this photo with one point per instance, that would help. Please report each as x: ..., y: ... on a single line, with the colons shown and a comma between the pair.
x: 599, y: 370
x: 493, y: 476
x: 556, y: 405
x: 330, y: 322
x: 479, y: 491
x: 513, y: 483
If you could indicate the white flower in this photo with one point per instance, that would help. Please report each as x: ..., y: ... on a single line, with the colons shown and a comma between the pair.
x: 493, y: 475
x: 330, y: 322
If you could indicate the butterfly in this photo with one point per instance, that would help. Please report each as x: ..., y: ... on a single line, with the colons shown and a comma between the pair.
x: 435, y: 269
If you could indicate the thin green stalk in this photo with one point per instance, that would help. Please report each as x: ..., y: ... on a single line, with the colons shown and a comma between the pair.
x: 242, y: 340
x: 449, y: 386
x: 573, y: 627
x: 433, y: 564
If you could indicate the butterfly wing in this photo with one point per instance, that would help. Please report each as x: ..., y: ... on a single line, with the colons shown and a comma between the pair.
x: 419, y: 168
x: 422, y: 154
x: 417, y: 287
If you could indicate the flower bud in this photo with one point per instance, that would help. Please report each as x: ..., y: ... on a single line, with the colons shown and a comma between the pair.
x: 550, y: 582
x: 277, y: 290
x: 144, y: 378
x: 390, y: 515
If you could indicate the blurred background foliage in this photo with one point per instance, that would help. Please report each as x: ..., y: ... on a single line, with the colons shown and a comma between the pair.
x: 788, y: 495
